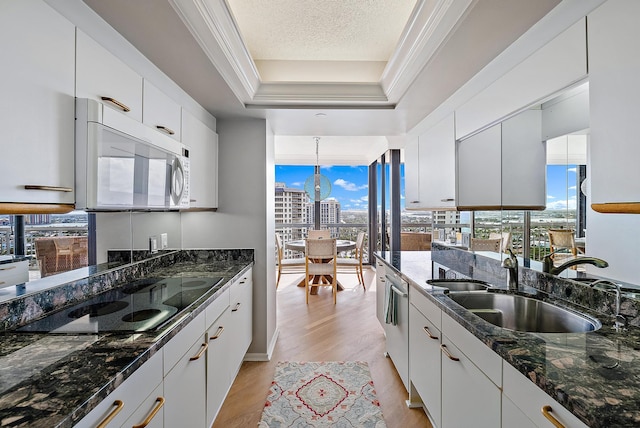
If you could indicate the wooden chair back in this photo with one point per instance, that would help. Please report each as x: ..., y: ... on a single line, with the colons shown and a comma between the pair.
x: 478, y: 244
x: 318, y: 234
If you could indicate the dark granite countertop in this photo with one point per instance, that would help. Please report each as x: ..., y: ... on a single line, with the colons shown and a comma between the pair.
x: 49, y: 380
x: 595, y: 375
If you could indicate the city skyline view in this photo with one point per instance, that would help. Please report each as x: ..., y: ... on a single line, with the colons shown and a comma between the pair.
x: 349, y: 184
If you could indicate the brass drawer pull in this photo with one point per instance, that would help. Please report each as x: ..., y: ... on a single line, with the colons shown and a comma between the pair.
x: 160, y: 402
x: 237, y: 307
x: 8, y: 268
x: 117, y: 103
x: 447, y: 200
x: 203, y: 348
x: 546, y: 411
x: 446, y: 352
x: 51, y: 188
x: 426, y: 330
x: 119, y: 405
x: 218, y: 333
x: 165, y: 129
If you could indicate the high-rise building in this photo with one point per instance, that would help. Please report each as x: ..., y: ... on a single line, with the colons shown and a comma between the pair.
x: 329, y: 212
x: 37, y: 219
x: 291, y: 208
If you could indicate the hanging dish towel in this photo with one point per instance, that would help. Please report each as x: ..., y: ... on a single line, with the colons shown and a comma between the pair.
x: 391, y: 305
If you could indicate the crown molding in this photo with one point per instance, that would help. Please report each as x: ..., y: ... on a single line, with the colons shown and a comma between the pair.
x: 426, y: 32
x: 321, y: 92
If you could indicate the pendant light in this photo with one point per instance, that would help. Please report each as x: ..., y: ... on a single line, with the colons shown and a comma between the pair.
x: 317, y: 186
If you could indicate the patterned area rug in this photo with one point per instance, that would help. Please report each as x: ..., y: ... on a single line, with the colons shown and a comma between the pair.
x: 322, y: 394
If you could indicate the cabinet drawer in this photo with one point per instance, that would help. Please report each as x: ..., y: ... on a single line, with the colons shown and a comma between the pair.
x: 151, y: 410
x: 180, y: 344
x: 530, y: 400
x: 14, y: 273
x: 426, y: 307
x: 216, y: 308
x: 240, y: 286
x: 131, y: 393
x: 480, y: 354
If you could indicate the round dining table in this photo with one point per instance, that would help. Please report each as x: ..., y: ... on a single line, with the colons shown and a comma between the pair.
x: 299, y: 245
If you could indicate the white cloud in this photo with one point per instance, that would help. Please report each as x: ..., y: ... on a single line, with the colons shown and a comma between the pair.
x: 550, y: 197
x: 348, y: 186
x: 297, y: 184
x: 572, y: 187
x: 562, y: 204
x: 572, y: 170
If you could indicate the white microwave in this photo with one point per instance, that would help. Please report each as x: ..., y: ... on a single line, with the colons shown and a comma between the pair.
x: 122, y: 165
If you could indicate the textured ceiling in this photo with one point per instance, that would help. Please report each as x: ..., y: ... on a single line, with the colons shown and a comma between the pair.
x: 321, y: 30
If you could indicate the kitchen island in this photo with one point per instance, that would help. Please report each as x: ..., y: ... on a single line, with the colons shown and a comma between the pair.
x: 594, y: 375
x: 57, y: 379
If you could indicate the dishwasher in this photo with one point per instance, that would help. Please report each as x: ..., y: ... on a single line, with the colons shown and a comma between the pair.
x: 397, y: 328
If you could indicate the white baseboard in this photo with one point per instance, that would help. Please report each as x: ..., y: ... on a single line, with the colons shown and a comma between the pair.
x: 261, y: 356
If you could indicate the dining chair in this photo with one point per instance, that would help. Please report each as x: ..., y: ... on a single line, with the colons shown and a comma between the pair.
x: 562, y: 239
x: 318, y: 234
x: 505, y: 238
x: 64, y: 250
x: 478, y: 244
x: 320, y: 258
x: 354, y: 264
x: 287, y: 265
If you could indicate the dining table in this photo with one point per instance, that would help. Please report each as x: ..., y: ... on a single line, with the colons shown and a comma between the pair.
x: 342, y: 245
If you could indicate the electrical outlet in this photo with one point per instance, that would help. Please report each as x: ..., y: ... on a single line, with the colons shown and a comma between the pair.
x: 153, y: 244
x: 164, y: 241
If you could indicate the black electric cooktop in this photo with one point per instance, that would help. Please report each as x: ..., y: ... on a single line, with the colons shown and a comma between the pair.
x: 141, y: 305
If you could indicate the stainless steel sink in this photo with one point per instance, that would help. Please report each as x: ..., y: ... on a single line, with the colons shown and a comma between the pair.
x: 460, y: 284
x: 519, y: 313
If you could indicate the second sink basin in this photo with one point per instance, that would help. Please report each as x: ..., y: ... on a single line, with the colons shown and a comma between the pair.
x: 519, y: 313
x: 460, y: 284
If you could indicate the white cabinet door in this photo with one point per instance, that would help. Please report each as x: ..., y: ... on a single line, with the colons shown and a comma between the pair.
x: 37, y: 114
x: 524, y: 162
x: 185, y: 388
x: 412, y: 173
x: 438, y: 166
x: 14, y: 273
x: 100, y: 74
x: 614, y: 91
x: 469, y: 398
x: 240, y: 320
x: 531, y: 400
x: 479, y: 170
x: 219, y: 377
x: 380, y: 291
x: 512, y: 416
x: 203, y: 146
x: 161, y: 112
x: 126, y: 398
x: 425, y: 368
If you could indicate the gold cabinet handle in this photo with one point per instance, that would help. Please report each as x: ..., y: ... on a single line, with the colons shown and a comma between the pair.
x: 51, y: 188
x: 159, y: 403
x: 8, y: 268
x: 218, y: 333
x: 119, y: 405
x: 426, y: 330
x: 546, y: 411
x: 203, y: 348
x: 122, y: 106
x: 165, y: 129
x: 446, y: 352
x: 237, y: 307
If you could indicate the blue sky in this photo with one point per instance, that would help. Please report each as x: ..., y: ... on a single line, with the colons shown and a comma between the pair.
x: 349, y: 184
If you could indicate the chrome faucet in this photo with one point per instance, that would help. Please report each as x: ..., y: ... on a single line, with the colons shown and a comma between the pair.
x: 548, y: 267
x: 620, y: 321
x: 511, y: 264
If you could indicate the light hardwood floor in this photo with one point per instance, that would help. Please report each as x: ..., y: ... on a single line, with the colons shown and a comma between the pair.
x: 323, y: 331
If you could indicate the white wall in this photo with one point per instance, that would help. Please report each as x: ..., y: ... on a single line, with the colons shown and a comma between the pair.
x: 245, y: 217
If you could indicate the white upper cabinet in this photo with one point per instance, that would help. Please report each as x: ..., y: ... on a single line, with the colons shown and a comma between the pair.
x: 37, y: 113
x: 102, y: 76
x: 524, y: 162
x: 479, y: 170
x: 614, y: 67
x: 202, y: 142
x: 430, y: 163
x: 161, y: 112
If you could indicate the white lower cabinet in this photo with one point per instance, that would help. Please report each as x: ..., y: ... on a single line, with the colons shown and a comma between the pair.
x: 380, y: 291
x: 218, y: 376
x: 425, y: 369
x: 240, y: 320
x: 185, y: 370
x: 123, y: 402
x: 533, y: 403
